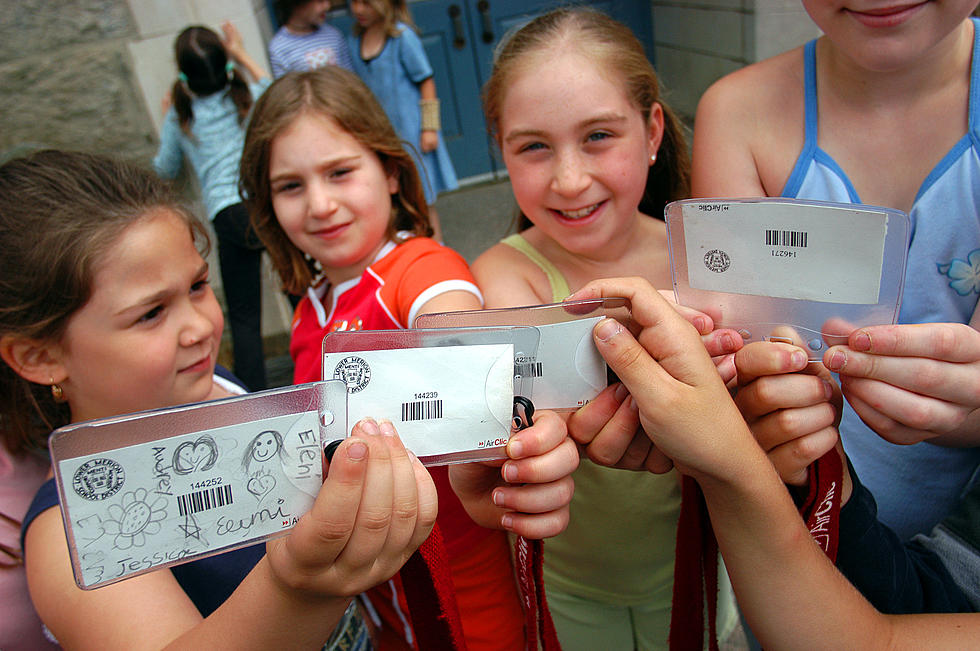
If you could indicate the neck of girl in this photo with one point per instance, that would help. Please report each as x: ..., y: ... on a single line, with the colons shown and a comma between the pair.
x: 946, y: 63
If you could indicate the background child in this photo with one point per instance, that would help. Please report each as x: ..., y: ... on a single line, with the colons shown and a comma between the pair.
x: 106, y: 309
x: 339, y: 204
x: 893, y: 124
x: 389, y: 57
x: 211, y: 101
x: 592, y: 153
x: 785, y: 585
x: 306, y: 41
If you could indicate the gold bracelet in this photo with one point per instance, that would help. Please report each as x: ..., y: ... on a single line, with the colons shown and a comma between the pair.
x: 430, y: 114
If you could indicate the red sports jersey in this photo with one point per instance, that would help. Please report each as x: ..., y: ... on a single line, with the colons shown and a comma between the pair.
x: 388, y: 296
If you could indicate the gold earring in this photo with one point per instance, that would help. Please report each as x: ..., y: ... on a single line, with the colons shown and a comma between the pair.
x: 57, y: 392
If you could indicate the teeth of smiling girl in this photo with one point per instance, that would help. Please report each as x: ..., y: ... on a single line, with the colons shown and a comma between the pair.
x: 578, y: 214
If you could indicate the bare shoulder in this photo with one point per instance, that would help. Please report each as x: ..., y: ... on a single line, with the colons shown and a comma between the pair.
x: 756, y: 88
x: 508, y: 278
x: 749, y: 128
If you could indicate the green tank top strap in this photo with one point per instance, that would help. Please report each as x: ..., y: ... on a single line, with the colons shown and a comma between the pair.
x: 559, y: 287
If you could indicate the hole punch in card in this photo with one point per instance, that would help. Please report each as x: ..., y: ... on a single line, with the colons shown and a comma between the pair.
x: 568, y: 371
x: 805, y: 272
x: 448, y: 392
x: 158, y: 488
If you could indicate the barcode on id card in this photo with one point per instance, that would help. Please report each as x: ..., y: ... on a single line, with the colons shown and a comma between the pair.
x: 209, y: 498
x: 776, y: 237
x: 421, y: 410
x: 528, y: 369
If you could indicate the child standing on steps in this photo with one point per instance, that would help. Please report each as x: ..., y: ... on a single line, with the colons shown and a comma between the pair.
x: 389, y: 57
x: 211, y: 101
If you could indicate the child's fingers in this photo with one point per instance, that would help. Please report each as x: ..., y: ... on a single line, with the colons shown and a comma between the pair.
x: 588, y: 421
x: 374, y: 515
x: 322, y: 534
x: 782, y: 392
x: 547, y: 433
x: 792, y: 459
x: 951, y: 342
x: 535, y: 526
x: 722, y: 342
x: 535, y: 498
x: 549, y: 466
x: 428, y: 500
x: 404, y: 501
x: 611, y: 443
x: 763, y: 358
x: 955, y: 382
x: 786, y: 425
x: 900, y: 416
x: 665, y: 334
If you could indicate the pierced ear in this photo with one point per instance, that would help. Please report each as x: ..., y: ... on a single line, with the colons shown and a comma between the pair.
x: 34, y: 361
x: 655, y: 128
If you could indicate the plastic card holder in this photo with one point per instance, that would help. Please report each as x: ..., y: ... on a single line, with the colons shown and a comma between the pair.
x: 159, y: 488
x: 449, y: 392
x: 568, y: 371
x: 807, y: 272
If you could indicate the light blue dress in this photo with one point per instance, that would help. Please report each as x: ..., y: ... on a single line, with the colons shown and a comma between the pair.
x: 394, y: 77
x: 916, y: 485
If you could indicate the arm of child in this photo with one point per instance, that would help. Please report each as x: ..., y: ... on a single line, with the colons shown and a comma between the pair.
x: 786, y: 587
x: 375, y: 508
x: 429, y: 138
x: 793, y: 409
x: 913, y: 382
x: 236, y: 49
x: 528, y: 495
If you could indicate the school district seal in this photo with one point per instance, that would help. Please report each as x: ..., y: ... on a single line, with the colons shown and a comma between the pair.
x: 98, y: 479
x: 717, y: 260
x: 354, y: 371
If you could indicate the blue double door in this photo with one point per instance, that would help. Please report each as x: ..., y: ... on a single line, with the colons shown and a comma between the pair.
x: 459, y: 37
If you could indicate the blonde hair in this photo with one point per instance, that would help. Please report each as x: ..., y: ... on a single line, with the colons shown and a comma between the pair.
x: 392, y: 12
x: 341, y: 96
x: 614, y: 48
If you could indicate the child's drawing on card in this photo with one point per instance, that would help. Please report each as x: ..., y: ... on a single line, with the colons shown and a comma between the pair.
x: 262, y: 463
x: 192, y: 456
x: 134, y: 518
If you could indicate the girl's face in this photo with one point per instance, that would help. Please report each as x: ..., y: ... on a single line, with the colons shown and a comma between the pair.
x: 330, y: 194
x: 577, y: 150
x: 887, y: 36
x: 148, y: 337
x: 364, y: 13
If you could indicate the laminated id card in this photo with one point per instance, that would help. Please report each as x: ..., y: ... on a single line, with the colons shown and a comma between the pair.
x: 157, y: 488
x: 449, y: 393
x: 568, y: 371
x: 761, y: 265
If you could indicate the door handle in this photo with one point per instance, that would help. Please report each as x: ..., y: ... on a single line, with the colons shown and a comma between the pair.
x: 459, y: 31
x: 484, y: 8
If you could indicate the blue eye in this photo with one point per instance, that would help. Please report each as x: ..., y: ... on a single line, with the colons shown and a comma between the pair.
x: 599, y: 135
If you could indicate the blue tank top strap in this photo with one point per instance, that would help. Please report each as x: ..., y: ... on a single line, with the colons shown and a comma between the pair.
x: 792, y: 187
x: 974, y: 110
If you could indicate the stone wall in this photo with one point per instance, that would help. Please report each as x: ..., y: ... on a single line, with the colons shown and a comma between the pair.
x: 67, y: 78
x: 698, y: 41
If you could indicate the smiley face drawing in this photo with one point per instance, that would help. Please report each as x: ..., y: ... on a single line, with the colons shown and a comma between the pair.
x: 265, y: 446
